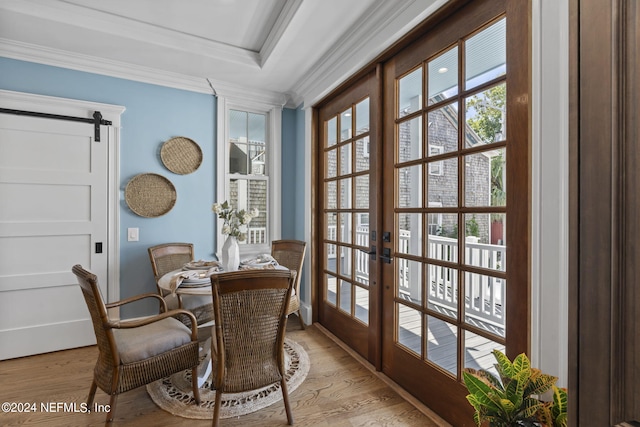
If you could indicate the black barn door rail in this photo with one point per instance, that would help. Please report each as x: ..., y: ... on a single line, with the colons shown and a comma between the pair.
x: 96, y: 121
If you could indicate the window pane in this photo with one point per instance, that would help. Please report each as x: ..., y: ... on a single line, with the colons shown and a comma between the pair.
x: 443, y: 289
x: 410, y: 328
x: 410, y: 280
x: 345, y: 193
x: 332, y: 131
x: 238, y: 158
x: 442, y: 128
x: 332, y: 289
x: 257, y: 127
x: 478, y: 352
x: 362, y: 304
x: 363, y: 152
x: 442, y: 344
x: 443, y: 76
x: 443, y: 182
x: 485, y: 180
x: 362, y: 117
x: 410, y: 140
x: 345, y: 296
x: 258, y: 158
x: 485, y: 114
x: 410, y: 234
x: 346, y: 261
x: 486, y: 55
x: 332, y: 195
x: 410, y: 93
x: 332, y: 226
x: 345, y: 227
x: 345, y: 159
x: 251, y: 194
x: 238, y: 126
x: 331, y: 258
x: 362, y: 192
x: 332, y: 163
x: 484, y: 241
x: 443, y: 237
x: 345, y: 125
x: 410, y: 187
x: 484, y: 302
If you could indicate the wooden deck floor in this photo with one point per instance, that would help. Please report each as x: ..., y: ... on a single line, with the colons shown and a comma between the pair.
x: 441, y: 343
x: 339, y: 391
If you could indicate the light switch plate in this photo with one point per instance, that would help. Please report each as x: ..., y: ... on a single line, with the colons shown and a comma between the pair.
x: 133, y: 234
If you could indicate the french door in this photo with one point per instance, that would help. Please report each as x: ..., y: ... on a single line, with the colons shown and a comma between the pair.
x: 446, y: 277
x: 348, y: 167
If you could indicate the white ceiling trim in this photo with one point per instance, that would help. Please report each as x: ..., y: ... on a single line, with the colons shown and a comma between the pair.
x: 284, y: 19
x: 384, y: 25
x: 90, y: 64
x: 84, y: 17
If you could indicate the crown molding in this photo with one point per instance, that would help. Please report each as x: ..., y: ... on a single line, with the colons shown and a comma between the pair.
x: 284, y: 19
x: 84, y: 17
x: 385, y: 24
x: 63, y: 59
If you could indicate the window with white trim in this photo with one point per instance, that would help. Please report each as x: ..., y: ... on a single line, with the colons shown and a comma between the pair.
x: 435, y: 168
x: 249, y: 165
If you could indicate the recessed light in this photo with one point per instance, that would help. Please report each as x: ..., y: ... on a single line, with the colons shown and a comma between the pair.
x: 443, y: 70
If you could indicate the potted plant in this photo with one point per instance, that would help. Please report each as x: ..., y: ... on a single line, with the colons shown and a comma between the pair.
x: 513, y: 399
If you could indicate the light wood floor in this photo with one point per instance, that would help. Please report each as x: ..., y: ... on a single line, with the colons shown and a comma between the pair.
x: 339, y: 391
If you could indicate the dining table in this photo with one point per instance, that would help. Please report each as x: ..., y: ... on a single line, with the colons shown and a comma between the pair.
x: 190, y: 280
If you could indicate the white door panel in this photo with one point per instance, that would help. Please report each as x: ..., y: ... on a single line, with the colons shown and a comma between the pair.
x: 53, y: 210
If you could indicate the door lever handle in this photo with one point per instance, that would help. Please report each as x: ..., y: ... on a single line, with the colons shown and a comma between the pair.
x: 371, y: 253
x: 386, y: 256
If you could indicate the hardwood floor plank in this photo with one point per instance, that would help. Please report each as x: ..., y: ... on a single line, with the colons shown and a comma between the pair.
x: 339, y: 391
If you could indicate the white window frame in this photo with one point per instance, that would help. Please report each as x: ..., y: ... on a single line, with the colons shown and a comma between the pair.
x: 273, y: 167
x: 436, y: 168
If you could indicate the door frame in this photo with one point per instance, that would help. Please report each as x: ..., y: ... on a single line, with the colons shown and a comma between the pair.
x: 71, y: 107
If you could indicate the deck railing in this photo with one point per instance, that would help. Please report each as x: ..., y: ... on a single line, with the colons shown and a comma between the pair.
x: 484, y: 294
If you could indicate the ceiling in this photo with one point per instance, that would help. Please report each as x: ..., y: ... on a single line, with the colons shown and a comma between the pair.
x: 275, y: 48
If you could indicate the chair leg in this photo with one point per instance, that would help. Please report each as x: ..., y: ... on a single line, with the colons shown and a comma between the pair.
x: 216, y: 409
x: 92, y: 393
x: 285, y: 398
x: 194, y: 384
x: 112, y: 409
x: 300, y: 319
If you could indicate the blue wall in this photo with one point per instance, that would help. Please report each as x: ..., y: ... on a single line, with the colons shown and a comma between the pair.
x: 153, y: 115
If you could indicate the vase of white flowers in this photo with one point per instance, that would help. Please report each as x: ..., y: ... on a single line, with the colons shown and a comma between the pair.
x: 235, y: 228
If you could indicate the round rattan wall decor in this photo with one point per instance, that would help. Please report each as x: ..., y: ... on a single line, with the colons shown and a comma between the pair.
x: 181, y: 155
x: 150, y: 195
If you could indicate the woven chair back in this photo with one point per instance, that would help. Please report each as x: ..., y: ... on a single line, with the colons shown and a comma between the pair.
x: 93, y: 297
x: 250, y: 318
x: 169, y: 256
x: 290, y: 254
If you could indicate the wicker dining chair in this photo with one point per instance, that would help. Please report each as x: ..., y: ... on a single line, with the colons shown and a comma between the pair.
x: 137, y: 352
x: 290, y: 254
x: 172, y: 256
x: 250, y: 322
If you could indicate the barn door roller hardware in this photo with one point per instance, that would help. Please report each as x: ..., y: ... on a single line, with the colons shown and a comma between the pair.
x: 96, y: 120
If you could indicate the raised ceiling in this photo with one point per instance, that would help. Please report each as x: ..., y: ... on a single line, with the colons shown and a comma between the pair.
x: 277, y: 48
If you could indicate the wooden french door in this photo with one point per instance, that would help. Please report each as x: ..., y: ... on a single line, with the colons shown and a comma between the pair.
x: 457, y: 203
x: 349, y: 175
x: 449, y: 191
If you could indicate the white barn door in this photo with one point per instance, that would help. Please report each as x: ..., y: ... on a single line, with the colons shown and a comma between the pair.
x: 54, y: 204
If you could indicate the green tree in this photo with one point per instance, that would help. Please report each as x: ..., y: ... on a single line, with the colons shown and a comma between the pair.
x: 489, y: 106
x: 487, y: 121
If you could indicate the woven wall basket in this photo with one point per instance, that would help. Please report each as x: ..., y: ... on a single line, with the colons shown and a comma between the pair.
x: 181, y: 155
x: 150, y: 195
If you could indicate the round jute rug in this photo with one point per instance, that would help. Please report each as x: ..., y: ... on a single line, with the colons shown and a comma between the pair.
x: 174, y: 394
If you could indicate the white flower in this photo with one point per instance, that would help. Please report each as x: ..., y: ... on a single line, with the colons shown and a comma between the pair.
x: 226, y: 229
x: 216, y: 208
